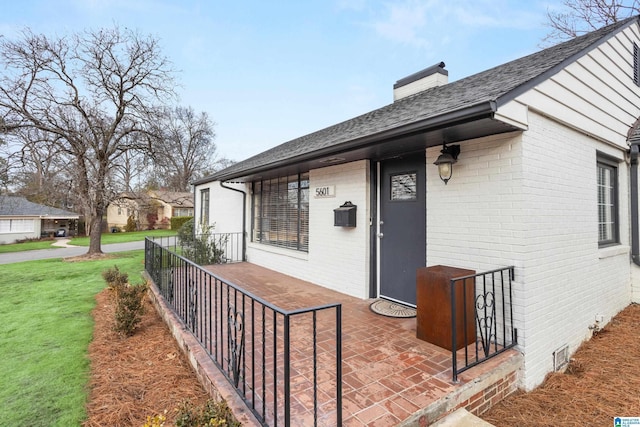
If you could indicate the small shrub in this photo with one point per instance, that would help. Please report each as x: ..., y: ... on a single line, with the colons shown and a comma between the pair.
x: 178, y: 221
x: 186, y: 232
x: 131, y: 224
x: 203, y: 249
x: 129, y: 308
x: 155, y: 421
x: 45, y: 238
x: 115, y: 278
x: 211, y: 414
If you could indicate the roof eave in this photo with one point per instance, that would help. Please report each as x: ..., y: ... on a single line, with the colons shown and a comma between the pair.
x: 477, y: 111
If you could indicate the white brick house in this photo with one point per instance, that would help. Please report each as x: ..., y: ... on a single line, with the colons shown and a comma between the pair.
x: 543, y: 182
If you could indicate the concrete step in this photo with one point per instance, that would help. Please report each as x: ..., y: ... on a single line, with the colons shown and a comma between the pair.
x: 462, y: 418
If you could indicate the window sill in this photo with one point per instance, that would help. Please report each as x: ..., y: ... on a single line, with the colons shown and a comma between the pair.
x: 611, y: 251
x: 279, y: 251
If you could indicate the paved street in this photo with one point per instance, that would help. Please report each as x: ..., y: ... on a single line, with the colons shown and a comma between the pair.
x: 65, y: 252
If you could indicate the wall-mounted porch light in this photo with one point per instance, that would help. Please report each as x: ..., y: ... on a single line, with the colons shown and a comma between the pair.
x: 445, y: 161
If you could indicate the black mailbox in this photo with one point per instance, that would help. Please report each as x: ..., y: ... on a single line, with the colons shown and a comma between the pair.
x: 345, y: 215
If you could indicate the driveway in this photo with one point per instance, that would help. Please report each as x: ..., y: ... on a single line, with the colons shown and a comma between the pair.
x: 65, y: 252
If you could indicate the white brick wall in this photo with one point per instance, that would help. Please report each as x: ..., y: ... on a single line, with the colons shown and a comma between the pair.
x: 338, y: 257
x: 529, y: 200
x: 569, y: 279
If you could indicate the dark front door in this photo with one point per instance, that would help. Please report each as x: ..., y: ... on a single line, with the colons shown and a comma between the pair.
x: 402, y: 226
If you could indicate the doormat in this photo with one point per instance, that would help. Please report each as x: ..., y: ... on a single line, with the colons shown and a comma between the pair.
x: 392, y: 309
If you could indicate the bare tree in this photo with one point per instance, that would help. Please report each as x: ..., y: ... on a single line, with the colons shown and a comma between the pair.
x: 131, y: 170
x: 89, y: 91
x: 578, y: 17
x: 186, y: 148
x: 4, y: 170
x: 39, y: 169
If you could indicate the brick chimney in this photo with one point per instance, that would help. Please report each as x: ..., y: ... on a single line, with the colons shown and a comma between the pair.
x: 430, y: 77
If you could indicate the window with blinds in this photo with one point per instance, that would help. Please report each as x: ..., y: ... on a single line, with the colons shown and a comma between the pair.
x: 281, y: 212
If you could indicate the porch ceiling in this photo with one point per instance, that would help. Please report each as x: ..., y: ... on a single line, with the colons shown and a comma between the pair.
x: 379, y: 147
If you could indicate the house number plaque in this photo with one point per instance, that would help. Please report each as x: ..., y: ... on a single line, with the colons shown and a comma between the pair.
x: 324, y: 192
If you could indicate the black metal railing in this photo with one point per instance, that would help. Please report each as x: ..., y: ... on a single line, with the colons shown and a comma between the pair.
x: 207, y: 249
x: 285, y: 364
x: 482, y: 317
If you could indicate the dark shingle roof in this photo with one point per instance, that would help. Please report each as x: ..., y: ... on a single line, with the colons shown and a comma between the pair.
x: 490, y: 88
x: 172, y: 198
x: 15, y: 206
x: 176, y: 199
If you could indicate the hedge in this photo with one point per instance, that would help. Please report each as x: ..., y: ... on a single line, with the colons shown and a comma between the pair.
x: 177, y: 221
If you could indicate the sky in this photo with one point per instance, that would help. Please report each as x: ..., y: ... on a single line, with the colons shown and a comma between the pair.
x: 267, y: 71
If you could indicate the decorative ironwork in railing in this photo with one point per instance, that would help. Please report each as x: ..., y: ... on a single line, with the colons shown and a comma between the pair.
x: 285, y: 364
x: 492, y: 308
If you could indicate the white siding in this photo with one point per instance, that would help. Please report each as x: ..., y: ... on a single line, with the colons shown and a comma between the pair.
x: 595, y: 94
x: 338, y: 257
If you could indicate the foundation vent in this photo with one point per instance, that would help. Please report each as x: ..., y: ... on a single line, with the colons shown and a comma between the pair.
x: 561, y: 358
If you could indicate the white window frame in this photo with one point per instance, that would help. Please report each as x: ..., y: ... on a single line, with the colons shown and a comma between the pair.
x: 204, y: 206
x: 608, y: 201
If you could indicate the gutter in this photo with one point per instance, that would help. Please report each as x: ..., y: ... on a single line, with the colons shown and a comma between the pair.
x: 635, y: 239
x: 244, y: 218
x: 474, y: 112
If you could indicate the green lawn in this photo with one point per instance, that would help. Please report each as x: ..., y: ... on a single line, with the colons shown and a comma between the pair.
x: 27, y: 246
x: 107, y: 238
x: 46, y: 327
x: 133, y: 236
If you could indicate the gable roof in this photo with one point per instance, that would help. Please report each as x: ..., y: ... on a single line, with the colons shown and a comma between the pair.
x: 175, y: 199
x: 172, y: 198
x: 472, y: 98
x: 15, y: 206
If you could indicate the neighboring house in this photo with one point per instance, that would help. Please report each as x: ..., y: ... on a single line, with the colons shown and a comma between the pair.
x: 173, y: 203
x: 120, y: 209
x: 157, y: 206
x: 545, y: 180
x: 21, y: 219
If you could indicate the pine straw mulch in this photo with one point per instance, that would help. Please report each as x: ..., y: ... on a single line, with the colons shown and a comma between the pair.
x: 138, y: 376
x: 601, y: 382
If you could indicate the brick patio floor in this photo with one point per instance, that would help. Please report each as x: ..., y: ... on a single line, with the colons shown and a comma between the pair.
x: 388, y: 374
